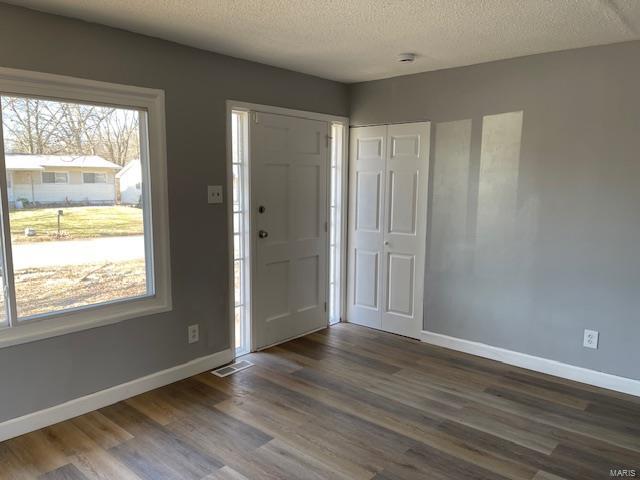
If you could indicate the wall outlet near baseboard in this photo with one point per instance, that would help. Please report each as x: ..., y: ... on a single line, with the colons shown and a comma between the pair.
x: 590, y: 339
x: 193, y: 332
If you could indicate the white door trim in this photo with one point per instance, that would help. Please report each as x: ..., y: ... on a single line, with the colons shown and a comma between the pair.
x: 248, y: 107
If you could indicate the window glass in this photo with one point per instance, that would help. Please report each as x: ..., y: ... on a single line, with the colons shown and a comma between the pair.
x: 240, y: 264
x: 75, y: 243
x: 94, y: 177
x: 335, y: 222
x: 54, y: 177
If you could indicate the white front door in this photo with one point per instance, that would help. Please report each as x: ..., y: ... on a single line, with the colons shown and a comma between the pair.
x: 288, y: 164
x: 388, y: 213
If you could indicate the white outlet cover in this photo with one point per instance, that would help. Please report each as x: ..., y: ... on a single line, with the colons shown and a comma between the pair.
x: 193, y: 333
x: 214, y: 194
x: 590, y: 339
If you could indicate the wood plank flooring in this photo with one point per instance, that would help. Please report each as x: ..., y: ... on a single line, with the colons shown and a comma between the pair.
x: 346, y: 403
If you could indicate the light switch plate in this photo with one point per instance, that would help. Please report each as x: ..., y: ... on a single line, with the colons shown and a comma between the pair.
x: 214, y: 193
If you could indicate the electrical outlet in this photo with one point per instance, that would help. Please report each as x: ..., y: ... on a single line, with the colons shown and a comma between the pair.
x: 214, y: 193
x: 590, y: 339
x: 193, y: 333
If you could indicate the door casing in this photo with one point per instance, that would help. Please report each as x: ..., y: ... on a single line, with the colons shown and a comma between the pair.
x: 235, y: 105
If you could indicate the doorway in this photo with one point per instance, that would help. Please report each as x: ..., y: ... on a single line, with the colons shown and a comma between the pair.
x: 286, y: 213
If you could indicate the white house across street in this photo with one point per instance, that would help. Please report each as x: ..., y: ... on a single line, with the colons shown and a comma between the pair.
x: 60, y: 179
x: 130, y: 183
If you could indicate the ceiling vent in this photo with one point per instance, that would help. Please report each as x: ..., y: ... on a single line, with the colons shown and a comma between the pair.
x: 406, y: 57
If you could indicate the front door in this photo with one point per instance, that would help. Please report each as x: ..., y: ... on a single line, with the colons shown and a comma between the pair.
x: 288, y: 165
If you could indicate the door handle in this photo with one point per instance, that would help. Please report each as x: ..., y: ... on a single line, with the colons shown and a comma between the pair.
x: 386, y: 243
x: 263, y: 234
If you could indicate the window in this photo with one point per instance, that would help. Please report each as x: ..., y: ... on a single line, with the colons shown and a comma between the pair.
x: 75, y: 257
x: 54, y: 177
x: 94, y: 178
x: 336, y: 206
x: 241, y: 265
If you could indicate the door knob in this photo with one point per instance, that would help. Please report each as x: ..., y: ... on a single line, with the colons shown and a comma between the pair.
x: 386, y: 243
x: 263, y: 234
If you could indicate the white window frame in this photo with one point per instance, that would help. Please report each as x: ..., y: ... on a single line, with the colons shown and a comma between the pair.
x: 55, y: 178
x: 338, y: 239
x: 106, y: 178
x: 151, y: 101
x: 244, y: 303
x: 240, y: 106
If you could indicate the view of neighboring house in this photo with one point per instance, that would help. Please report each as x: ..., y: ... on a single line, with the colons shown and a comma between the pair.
x: 130, y: 183
x: 60, y: 179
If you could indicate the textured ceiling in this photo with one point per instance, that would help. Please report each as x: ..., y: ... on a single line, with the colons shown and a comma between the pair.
x: 357, y: 40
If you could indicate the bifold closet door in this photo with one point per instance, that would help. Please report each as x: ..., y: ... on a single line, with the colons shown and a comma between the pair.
x: 367, y: 169
x: 389, y: 170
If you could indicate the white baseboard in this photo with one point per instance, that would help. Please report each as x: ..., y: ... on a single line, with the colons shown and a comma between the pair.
x: 78, y: 406
x: 537, y: 364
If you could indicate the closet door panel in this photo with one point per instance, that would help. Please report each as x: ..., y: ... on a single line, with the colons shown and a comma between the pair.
x: 367, y: 177
x: 407, y: 172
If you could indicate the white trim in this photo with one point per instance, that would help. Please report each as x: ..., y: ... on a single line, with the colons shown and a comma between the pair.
x: 344, y: 261
x: 344, y: 224
x: 150, y: 103
x: 88, y: 403
x: 230, y: 247
x: 230, y: 234
x: 255, y: 107
x: 39, y: 327
x: 537, y: 364
x: 280, y: 342
x: 48, y: 85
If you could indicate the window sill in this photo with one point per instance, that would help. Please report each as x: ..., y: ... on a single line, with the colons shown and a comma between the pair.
x: 79, y: 320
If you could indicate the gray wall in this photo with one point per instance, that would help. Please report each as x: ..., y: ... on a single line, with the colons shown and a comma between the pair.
x: 37, y: 375
x: 534, y: 217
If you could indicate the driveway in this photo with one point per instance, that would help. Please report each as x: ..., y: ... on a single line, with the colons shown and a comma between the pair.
x: 78, y: 252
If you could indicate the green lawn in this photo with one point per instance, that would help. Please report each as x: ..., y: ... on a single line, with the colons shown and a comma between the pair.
x: 76, y: 223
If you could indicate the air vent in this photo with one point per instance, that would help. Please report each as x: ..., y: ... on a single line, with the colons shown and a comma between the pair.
x: 231, y: 369
x: 406, y: 57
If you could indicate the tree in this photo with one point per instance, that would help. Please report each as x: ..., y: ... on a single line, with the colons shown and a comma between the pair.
x: 120, y: 136
x: 48, y: 127
x: 30, y: 125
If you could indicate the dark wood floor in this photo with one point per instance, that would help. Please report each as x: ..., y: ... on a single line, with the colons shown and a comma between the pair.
x: 346, y: 403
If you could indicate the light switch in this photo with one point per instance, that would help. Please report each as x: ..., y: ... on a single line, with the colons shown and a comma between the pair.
x: 214, y: 193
